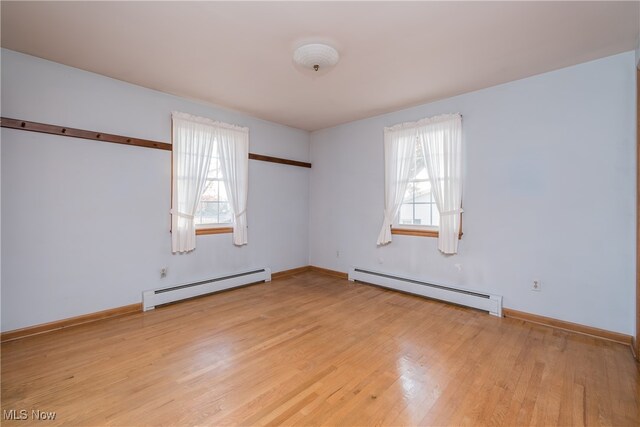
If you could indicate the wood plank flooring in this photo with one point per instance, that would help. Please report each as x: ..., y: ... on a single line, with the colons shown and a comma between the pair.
x: 312, y: 349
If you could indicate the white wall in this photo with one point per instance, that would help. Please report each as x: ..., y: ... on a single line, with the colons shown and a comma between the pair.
x: 549, y: 194
x: 85, y: 224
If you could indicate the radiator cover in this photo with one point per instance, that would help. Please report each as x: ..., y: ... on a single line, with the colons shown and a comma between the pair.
x: 466, y: 297
x: 155, y: 297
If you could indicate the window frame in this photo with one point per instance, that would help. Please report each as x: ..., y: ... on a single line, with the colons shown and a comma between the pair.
x: 419, y: 230
x: 215, y: 228
x: 396, y: 221
x: 204, y: 229
x: 211, y: 229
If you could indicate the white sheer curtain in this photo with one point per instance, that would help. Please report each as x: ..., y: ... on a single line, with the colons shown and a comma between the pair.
x: 441, y: 141
x: 399, y: 157
x: 193, y: 143
x: 234, y: 160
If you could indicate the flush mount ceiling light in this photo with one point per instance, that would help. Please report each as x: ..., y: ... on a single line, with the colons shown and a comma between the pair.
x: 316, y: 56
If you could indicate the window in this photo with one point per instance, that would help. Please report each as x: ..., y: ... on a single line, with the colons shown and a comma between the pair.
x: 210, y: 177
x: 418, y: 208
x: 214, y: 209
x: 423, y: 181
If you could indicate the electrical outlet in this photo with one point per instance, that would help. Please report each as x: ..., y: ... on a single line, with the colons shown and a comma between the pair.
x: 163, y: 272
x: 536, y: 286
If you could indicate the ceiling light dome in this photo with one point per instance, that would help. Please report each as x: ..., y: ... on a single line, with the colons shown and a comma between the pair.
x: 316, y: 56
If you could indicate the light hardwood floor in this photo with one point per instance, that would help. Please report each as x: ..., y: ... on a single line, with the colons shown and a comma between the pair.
x: 317, y: 350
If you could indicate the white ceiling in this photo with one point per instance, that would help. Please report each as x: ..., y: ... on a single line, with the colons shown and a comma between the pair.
x: 393, y: 54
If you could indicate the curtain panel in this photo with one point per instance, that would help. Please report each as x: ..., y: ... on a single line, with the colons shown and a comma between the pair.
x: 233, y: 143
x: 399, y: 156
x: 440, y: 139
x: 193, y: 144
x: 441, y: 142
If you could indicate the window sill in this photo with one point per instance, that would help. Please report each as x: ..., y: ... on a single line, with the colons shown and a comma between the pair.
x: 214, y: 230
x: 418, y: 232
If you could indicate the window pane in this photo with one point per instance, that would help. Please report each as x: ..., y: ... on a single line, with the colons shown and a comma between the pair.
x: 208, y: 203
x: 423, y: 214
x: 418, y: 206
x: 214, y: 205
x: 408, y: 195
x: 225, y: 213
x: 207, y: 213
x: 210, y: 192
x: 406, y: 214
x: 423, y: 191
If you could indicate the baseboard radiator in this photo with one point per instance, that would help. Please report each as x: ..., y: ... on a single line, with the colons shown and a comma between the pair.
x: 156, y: 297
x: 482, y: 301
